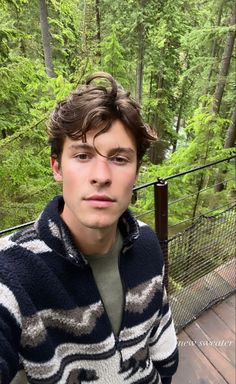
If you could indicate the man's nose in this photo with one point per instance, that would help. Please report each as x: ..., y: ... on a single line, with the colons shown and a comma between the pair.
x: 101, y: 172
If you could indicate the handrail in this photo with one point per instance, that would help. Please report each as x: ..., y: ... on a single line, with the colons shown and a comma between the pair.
x: 183, y: 173
x: 16, y: 227
x: 199, y: 168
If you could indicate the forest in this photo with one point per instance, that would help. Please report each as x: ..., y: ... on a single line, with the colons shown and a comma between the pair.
x: 177, y: 58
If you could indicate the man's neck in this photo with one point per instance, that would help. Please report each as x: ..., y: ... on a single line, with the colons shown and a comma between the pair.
x: 92, y: 241
x: 96, y: 241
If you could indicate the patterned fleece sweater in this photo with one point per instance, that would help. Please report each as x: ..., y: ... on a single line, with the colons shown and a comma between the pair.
x: 53, y: 324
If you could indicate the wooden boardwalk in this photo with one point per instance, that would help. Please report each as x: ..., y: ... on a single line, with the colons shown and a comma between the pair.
x: 207, y: 347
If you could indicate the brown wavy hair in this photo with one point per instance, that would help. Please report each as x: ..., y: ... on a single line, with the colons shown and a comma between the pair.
x: 97, y: 106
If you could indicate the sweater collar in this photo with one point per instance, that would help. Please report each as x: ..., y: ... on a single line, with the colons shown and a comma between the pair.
x: 55, y: 233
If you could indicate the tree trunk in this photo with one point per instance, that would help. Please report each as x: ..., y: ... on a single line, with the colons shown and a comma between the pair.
x: 98, y: 21
x: 214, y: 49
x: 200, y: 183
x: 231, y: 132
x: 19, y: 26
x: 46, y: 38
x: 177, y: 126
x: 230, y: 140
x: 158, y: 149
x: 141, y: 48
x: 224, y: 69
x: 225, y: 64
x: 4, y: 133
x: 179, y: 117
x: 149, y: 114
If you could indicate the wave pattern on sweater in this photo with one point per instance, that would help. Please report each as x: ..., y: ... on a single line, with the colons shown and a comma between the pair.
x: 53, y: 325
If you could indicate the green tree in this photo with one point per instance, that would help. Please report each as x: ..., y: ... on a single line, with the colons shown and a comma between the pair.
x: 167, y: 53
x: 113, y: 57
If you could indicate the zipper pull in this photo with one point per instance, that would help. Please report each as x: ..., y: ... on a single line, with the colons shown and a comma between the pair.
x: 117, y: 344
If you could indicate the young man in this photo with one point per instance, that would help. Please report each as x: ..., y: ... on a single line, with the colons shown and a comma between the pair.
x: 81, y: 293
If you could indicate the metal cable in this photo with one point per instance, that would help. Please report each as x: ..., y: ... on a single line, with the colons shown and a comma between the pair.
x: 202, y: 190
x: 197, y: 217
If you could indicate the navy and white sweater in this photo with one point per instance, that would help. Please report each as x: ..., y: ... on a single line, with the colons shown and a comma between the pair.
x: 53, y: 324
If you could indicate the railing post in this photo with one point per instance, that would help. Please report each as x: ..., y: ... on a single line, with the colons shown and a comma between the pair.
x: 161, y: 221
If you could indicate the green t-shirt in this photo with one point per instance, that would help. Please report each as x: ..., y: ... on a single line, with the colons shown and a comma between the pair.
x: 107, y: 276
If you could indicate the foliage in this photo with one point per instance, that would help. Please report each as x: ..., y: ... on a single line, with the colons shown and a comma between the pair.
x: 113, y: 57
x: 183, y: 45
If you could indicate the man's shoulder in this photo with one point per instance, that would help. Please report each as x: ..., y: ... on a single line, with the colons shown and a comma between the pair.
x: 22, y: 239
x: 148, y: 242
x: 147, y: 232
x: 20, y: 253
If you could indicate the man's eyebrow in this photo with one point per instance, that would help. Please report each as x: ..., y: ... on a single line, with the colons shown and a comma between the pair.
x: 112, y: 151
x: 81, y: 146
x: 120, y: 150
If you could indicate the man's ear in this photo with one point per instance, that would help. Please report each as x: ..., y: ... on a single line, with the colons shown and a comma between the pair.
x: 56, y: 169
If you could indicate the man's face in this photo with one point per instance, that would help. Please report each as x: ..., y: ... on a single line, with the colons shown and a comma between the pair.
x: 97, y: 189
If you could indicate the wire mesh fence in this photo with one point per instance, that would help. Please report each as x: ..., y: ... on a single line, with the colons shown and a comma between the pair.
x: 201, y: 265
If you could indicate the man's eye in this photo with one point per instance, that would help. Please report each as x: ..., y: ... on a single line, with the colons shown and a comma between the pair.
x: 82, y: 156
x: 119, y: 159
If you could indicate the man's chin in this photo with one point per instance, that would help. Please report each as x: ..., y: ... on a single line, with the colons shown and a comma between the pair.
x: 101, y: 223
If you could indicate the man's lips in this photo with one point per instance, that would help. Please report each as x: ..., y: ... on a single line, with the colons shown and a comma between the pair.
x: 100, y: 201
x: 100, y: 198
